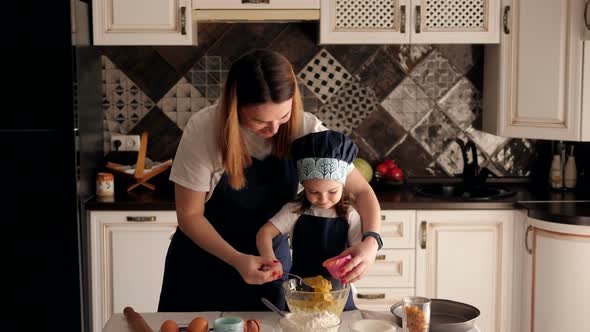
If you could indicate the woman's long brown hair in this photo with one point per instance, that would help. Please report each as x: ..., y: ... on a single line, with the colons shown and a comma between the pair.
x: 259, y: 77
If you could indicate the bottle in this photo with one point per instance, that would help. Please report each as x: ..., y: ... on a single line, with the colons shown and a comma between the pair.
x: 570, y: 172
x: 555, y: 176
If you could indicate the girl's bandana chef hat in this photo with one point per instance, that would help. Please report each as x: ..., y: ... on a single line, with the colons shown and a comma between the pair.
x: 324, y: 155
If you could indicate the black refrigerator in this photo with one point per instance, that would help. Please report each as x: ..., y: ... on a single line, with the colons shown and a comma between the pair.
x: 50, y: 134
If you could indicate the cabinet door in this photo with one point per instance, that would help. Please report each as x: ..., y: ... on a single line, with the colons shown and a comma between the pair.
x: 143, y: 22
x: 456, y: 22
x: 466, y: 256
x: 128, y: 261
x: 559, y: 278
x: 256, y: 4
x: 533, y: 79
x: 586, y: 92
x: 364, y: 22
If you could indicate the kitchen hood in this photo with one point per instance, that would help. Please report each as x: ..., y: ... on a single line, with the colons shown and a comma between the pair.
x: 255, y: 15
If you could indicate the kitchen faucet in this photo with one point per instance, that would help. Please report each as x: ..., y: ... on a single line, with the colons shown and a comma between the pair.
x: 473, y: 175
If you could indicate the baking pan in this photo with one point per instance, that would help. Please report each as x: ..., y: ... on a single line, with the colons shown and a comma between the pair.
x: 445, y: 315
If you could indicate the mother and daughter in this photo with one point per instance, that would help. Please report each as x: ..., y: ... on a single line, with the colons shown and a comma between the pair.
x: 237, y: 172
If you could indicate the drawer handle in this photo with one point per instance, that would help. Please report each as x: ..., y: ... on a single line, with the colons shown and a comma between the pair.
x: 183, y: 20
x: 380, y: 257
x: 586, y: 23
x: 505, y: 20
x: 526, y: 239
x: 418, y: 19
x: 141, y: 218
x: 382, y: 217
x: 423, y: 234
x: 402, y: 22
x: 255, y: 1
x: 371, y: 296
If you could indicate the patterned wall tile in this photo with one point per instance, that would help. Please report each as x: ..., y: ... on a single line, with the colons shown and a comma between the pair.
x: 366, y: 152
x: 462, y: 103
x: 435, y: 75
x: 124, y: 104
x: 182, y: 101
x: 208, y: 76
x: 379, y: 131
x: 407, y: 103
x: 412, y: 158
x: 324, y: 75
x: 516, y: 157
x: 347, y: 109
x: 408, y: 56
x: 435, y: 132
x: 381, y: 74
x: 484, y: 141
x: 306, y: 46
x: 463, y: 57
x: 352, y: 56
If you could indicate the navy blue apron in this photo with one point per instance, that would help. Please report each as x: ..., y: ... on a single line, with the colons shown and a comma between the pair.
x: 316, y: 239
x: 195, y: 280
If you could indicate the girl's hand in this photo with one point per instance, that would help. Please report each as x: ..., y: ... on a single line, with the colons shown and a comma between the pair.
x: 277, y: 269
x: 363, y: 256
x: 253, y: 271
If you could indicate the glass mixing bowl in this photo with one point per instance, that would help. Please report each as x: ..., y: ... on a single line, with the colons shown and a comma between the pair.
x: 302, y: 298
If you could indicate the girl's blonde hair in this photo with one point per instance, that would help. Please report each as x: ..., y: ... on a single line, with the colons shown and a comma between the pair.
x: 259, y: 77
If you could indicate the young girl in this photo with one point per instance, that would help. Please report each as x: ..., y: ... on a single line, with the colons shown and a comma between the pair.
x: 321, y: 224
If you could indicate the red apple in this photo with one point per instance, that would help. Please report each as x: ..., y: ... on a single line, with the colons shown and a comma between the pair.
x: 382, y: 169
x: 389, y: 163
x: 395, y: 174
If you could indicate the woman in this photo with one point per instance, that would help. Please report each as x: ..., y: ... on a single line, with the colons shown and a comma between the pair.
x: 232, y: 174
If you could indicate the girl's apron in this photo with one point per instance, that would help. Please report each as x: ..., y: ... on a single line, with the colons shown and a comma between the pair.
x: 195, y: 280
x: 315, y: 239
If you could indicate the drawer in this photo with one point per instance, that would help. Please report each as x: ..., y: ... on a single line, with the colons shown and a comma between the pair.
x: 392, y: 268
x: 135, y: 217
x: 379, y: 299
x: 398, y: 228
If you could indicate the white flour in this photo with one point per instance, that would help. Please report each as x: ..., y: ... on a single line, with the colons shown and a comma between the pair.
x: 310, y: 321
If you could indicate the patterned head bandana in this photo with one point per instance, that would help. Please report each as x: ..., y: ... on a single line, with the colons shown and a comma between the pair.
x: 324, y: 155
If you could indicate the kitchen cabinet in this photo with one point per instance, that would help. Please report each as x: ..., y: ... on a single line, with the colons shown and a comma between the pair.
x: 143, y: 22
x: 555, y: 288
x: 256, y: 4
x: 533, y: 79
x: 466, y: 256
x: 256, y: 10
x: 409, y: 21
x: 127, y: 255
x: 392, y: 275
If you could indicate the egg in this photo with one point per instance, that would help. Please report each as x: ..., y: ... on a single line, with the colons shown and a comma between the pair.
x: 251, y: 325
x: 169, y: 326
x: 198, y: 324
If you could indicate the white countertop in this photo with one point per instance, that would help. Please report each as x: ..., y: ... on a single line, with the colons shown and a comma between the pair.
x: 268, y: 319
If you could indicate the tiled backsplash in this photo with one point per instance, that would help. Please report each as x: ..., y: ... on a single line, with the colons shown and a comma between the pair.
x: 406, y: 102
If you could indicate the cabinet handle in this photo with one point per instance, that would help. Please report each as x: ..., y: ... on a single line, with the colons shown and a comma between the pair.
x: 380, y: 257
x: 418, y: 19
x: 423, y: 234
x: 141, y: 218
x: 402, y: 22
x: 371, y: 296
x: 382, y: 217
x: 505, y: 20
x: 255, y: 1
x: 183, y: 20
x: 586, y: 23
x: 526, y: 239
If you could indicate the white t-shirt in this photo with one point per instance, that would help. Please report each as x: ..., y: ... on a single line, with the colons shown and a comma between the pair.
x: 286, y: 219
x: 197, y: 164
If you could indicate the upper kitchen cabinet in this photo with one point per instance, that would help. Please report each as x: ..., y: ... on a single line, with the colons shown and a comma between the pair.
x: 534, y: 78
x: 256, y: 10
x: 409, y: 21
x: 143, y: 22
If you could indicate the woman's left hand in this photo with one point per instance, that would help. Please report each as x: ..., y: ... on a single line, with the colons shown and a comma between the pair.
x: 363, y: 256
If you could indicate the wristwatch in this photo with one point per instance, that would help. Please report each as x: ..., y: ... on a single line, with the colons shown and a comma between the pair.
x: 376, y: 236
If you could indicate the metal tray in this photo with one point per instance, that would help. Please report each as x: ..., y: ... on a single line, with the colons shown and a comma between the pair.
x: 445, y: 315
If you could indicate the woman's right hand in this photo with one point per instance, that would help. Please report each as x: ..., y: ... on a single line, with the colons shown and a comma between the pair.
x: 253, y: 271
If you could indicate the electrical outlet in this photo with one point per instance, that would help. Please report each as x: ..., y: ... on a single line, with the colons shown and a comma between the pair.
x: 125, y: 142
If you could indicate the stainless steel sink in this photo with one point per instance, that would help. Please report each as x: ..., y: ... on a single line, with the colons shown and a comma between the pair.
x: 460, y: 192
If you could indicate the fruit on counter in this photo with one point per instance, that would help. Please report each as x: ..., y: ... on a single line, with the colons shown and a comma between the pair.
x: 251, y: 325
x: 169, y: 326
x: 198, y: 324
x: 388, y: 170
x: 364, y: 167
